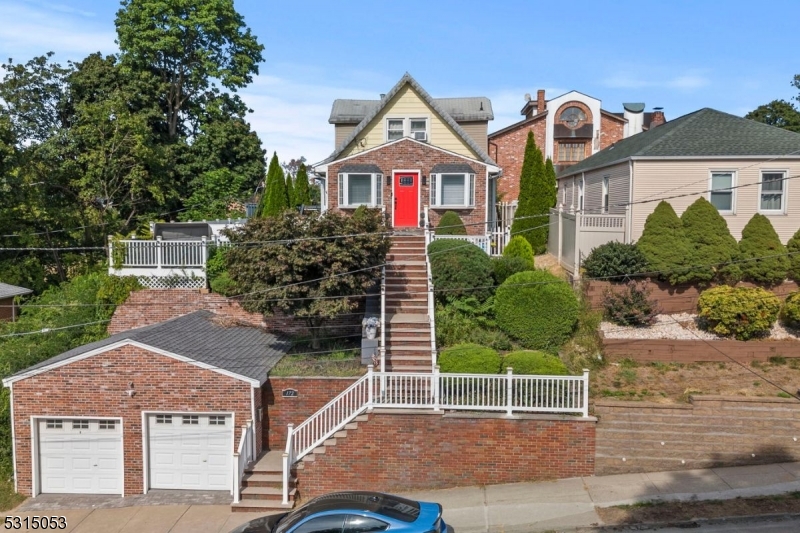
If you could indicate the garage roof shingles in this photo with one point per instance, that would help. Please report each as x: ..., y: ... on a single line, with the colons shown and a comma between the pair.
x: 202, y: 336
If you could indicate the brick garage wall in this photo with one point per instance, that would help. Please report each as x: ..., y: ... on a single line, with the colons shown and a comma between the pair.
x: 96, y: 386
x: 398, y: 451
x: 677, y: 299
x: 507, y: 148
x: 612, y: 129
x: 146, y: 307
x: 694, y: 351
x: 7, y: 311
x: 711, y: 431
x: 279, y: 412
x: 410, y: 155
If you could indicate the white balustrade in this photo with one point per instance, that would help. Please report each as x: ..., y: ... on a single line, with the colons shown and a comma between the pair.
x: 245, y: 454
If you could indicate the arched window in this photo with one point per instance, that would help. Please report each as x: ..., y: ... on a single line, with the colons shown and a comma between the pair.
x: 571, y: 117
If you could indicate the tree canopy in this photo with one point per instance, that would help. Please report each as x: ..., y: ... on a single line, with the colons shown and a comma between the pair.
x: 778, y: 113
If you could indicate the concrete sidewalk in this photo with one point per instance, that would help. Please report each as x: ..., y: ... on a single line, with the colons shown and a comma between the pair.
x: 560, y: 505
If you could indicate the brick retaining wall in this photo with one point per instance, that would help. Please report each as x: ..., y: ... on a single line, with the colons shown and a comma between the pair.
x: 711, y: 431
x: 398, y: 451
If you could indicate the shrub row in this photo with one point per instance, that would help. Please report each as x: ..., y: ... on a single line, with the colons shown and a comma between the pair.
x: 476, y: 359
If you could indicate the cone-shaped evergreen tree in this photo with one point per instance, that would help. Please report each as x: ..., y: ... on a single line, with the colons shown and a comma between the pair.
x: 760, y: 240
x: 551, y: 185
x: 712, y: 247
x: 793, y: 249
x: 274, y: 201
x: 533, y: 197
x: 302, y: 192
x: 664, y: 244
x: 290, y: 191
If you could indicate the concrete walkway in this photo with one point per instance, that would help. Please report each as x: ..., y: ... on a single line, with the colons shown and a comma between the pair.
x: 560, y: 505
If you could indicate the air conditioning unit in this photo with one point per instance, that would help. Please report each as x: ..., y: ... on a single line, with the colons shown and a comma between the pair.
x: 421, y: 136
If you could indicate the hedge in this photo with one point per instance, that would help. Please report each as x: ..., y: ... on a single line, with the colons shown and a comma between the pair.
x: 459, y: 270
x: 531, y: 362
x: 469, y: 359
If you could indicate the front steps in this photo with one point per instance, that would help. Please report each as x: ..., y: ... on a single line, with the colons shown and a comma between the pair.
x: 262, y: 484
x: 408, y: 330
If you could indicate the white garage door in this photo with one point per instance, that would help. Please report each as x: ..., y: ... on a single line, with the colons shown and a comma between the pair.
x: 190, y: 451
x: 79, y: 456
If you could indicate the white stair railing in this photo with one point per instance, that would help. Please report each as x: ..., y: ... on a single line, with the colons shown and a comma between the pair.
x: 431, y: 306
x: 245, y: 454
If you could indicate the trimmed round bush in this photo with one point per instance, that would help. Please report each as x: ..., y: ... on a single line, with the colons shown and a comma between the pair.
x: 790, y: 313
x: 519, y: 247
x: 459, y: 270
x: 615, y: 261
x: 469, y: 359
x: 532, y: 362
x: 503, y: 267
x: 538, y: 309
x: 740, y: 312
x: 450, y: 224
x: 764, y: 255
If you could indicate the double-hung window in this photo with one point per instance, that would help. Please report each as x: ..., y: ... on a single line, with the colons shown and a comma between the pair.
x: 721, y: 192
x: 772, y: 193
x: 452, y: 190
x: 394, y: 129
x: 357, y: 189
x: 414, y: 127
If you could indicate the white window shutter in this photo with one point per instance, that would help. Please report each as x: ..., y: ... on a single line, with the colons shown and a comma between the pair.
x: 341, y: 189
x: 378, y: 189
x: 471, y: 197
x: 433, y: 189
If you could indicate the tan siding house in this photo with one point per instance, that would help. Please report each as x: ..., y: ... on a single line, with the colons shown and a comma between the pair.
x: 742, y: 167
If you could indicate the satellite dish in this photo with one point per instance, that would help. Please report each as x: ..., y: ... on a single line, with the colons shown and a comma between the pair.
x: 527, y: 97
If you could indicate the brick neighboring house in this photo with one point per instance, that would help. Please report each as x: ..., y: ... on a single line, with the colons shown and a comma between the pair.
x: 9, y: 310
x: 157, y: 407
x: 408, y: 151
x: 568, y: 129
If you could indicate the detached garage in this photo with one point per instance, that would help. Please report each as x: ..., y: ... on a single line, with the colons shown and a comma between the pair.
x: 158, y: 407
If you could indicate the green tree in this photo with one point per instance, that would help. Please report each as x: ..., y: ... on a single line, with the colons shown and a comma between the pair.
x: 534, y: 199
x: 189, y: 45
x: 290, y: 196
x: 551, y: 186
x: 519, y: 247
x: 712, y: 248
x: 779, y: 113
x: 215, y: 196
x: 302, y: 192
x: 274, y: 201
x: 312, y: 278
x: 764, y: 258
x: 664, y: 244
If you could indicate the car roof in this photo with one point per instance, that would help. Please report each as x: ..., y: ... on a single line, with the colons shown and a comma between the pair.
x: 376, y: 502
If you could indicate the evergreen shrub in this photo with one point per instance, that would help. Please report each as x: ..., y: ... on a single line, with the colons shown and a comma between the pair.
x: 459, y: 270
x: 531, y: 362
x: 793, y: 249
x: 536, y: 308
x: 664, y: 245
x: 712, y: 248
x: 764, y: 258
x: 451, y: 224
x: 503, y: 267
x: 519, y: 247
x: 790, y: 313
x: 615, y: 261
x: 469, y: 359
x: 740, y: 312
x: 632, y: 306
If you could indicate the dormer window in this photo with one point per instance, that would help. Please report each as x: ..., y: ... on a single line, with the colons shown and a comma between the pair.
x: 414, y: 127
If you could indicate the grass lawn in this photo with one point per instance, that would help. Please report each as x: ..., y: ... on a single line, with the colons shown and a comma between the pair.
x: 8, y: 498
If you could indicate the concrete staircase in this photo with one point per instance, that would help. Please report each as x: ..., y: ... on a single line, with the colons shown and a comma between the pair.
x: 262, y: 484
x: 408, y: 330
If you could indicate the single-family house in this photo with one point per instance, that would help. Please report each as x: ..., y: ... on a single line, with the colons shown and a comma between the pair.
x: 9, y: 310
x: 567, y: 129
x: 409, y: 153
x: 164, y: 406
x: 741, y: 166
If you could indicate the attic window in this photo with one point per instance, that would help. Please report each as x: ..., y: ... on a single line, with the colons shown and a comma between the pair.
x: 394, y: 129
x: 414, y: 127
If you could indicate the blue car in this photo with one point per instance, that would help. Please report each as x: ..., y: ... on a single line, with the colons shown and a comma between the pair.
x: 354, y: 512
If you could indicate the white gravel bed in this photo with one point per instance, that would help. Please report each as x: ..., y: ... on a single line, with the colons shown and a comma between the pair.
x: 681, y: 326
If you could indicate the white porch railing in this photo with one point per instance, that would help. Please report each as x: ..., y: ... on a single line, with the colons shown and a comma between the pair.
x: 161, y: 254
x: 431, y: 303
x: 245, y: 454
x: 507, y: 393
x: 574, y: 235
x: 484, y: 242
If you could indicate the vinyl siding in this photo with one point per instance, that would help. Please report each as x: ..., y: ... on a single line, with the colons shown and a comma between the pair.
x: 656, y: 179
x: 407, y: 104
x: 478, y: 131
x: 618, y: 190
x: 343, y: 131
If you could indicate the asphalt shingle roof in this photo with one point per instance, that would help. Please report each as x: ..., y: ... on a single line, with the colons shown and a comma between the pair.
x: 703, y: 133
x: 461, y: 109
x: 244, y: 350
x: 7, y: 291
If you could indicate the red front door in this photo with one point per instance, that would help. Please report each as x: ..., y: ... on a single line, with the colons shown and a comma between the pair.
x: 406, y: 200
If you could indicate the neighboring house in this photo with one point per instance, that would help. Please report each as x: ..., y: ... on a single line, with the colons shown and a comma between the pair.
x: 741, y: 166
x: 9, y: 310
x: 567, y: 129
x: 407, y: 152
x: 158, y: 407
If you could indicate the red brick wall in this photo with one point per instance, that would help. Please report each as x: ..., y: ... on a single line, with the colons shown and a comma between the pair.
x: 508, y: 151
x: 7, y: 309
x: 313, y: 393
x: 611, y: 131
x: 404, y: 451
x: 410, y: 155
x: 96, y: 386
x: 146, y: 307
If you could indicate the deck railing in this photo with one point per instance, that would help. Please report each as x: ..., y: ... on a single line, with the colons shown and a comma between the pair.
x: 158, y: 253
x: 245, y: 454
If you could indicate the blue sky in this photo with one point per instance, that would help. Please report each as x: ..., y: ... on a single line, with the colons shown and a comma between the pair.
x: 681, y: 55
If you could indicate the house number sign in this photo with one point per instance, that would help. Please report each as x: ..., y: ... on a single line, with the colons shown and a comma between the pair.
x: 289, y: 393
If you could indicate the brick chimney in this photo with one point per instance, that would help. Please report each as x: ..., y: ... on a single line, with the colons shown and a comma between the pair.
x: 540, y: 104
x: 657, y: 118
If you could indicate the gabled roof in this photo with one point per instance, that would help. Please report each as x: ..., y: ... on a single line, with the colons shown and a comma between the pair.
x: 203, y: 337
x: 524, y: 122
x: 461, y: 109
x: 703, y: 133
x: 373, y: 112
x: 8, y: 291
